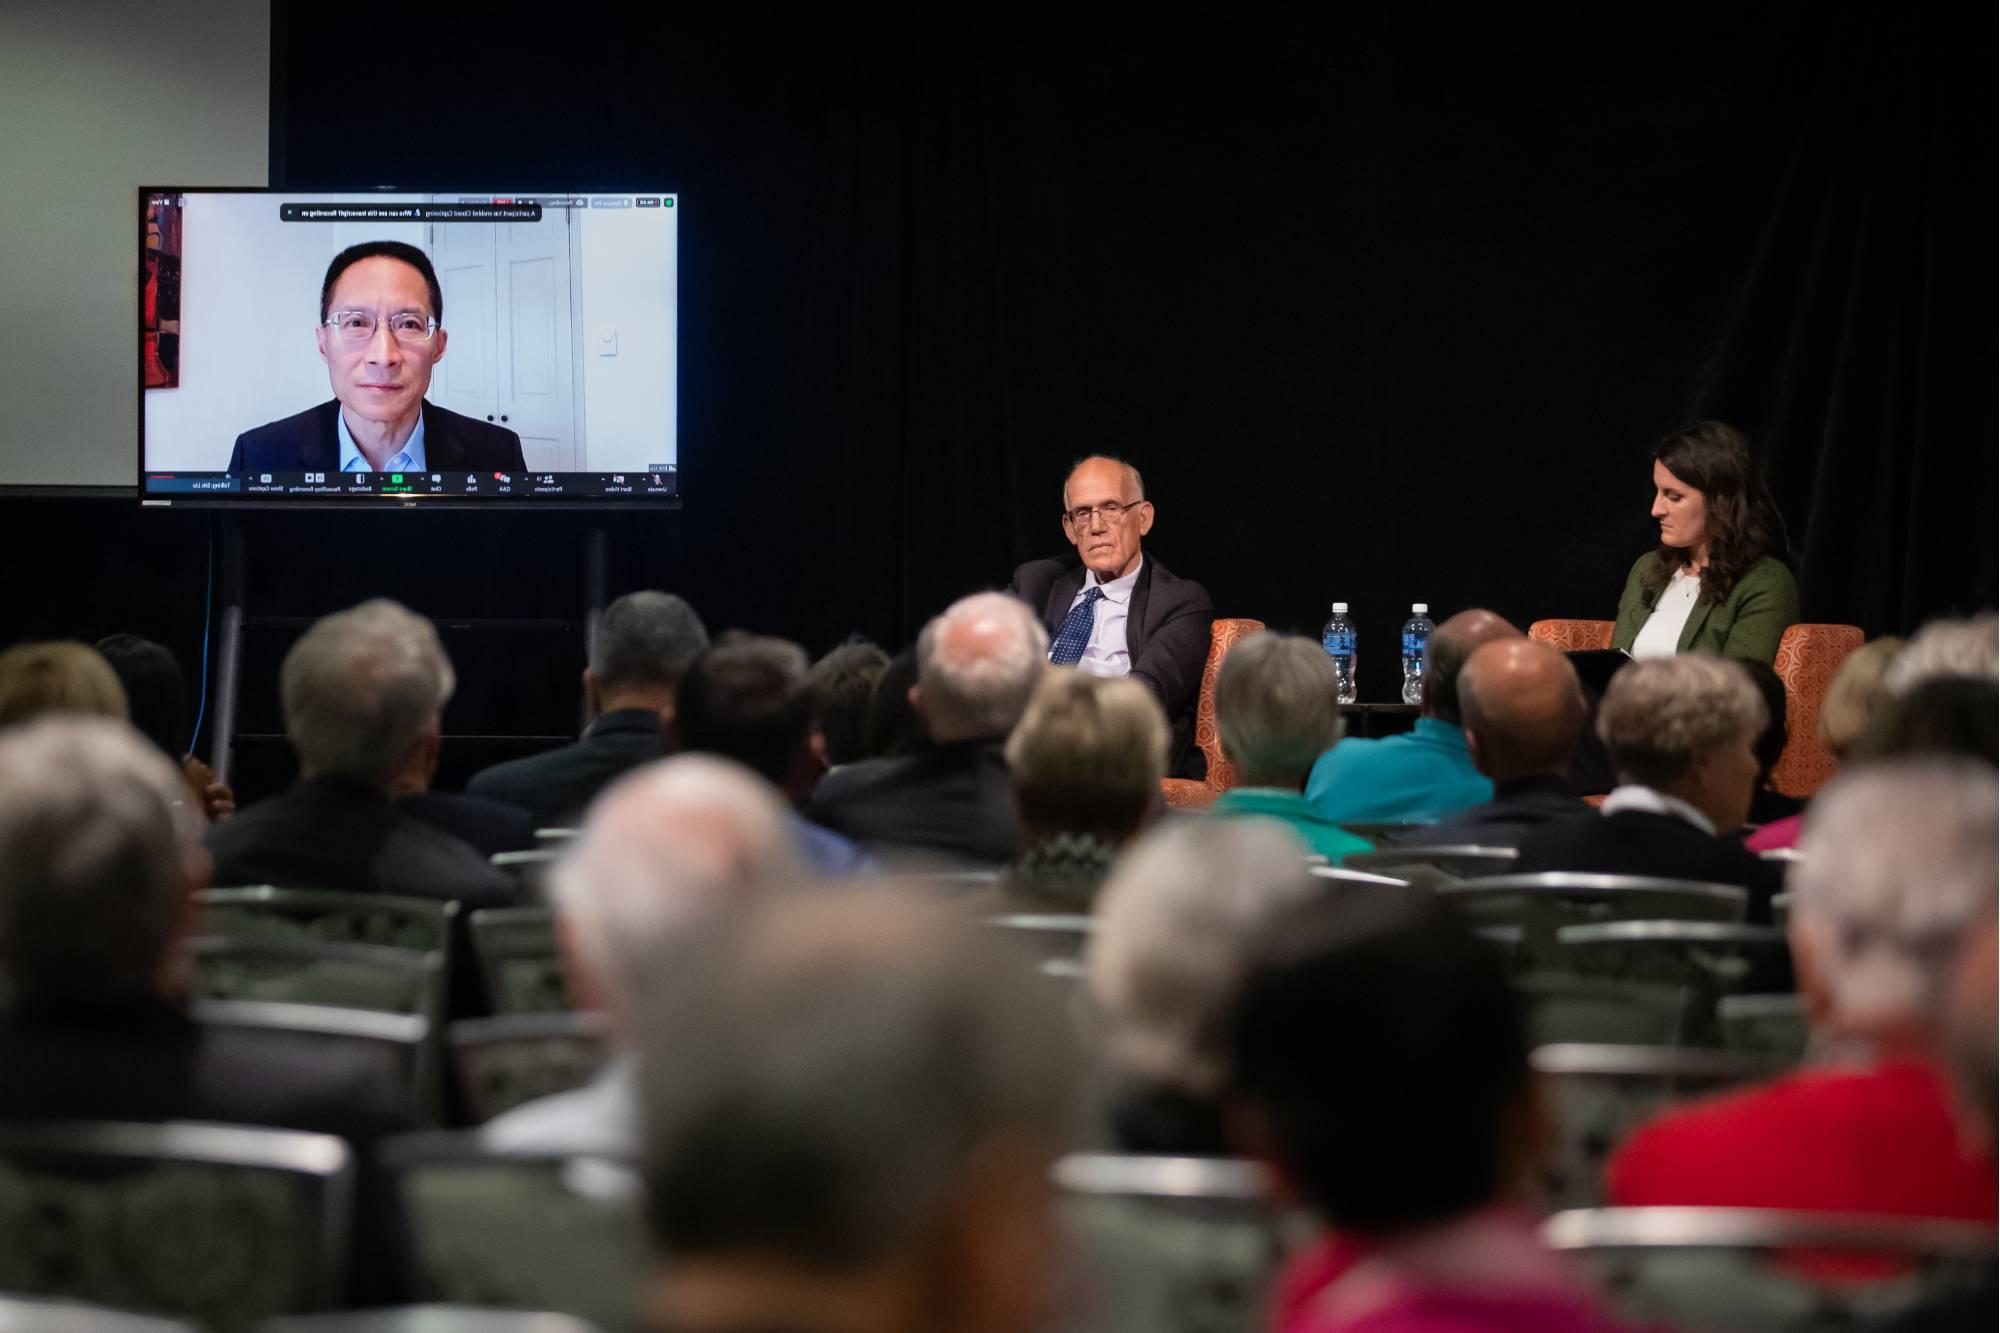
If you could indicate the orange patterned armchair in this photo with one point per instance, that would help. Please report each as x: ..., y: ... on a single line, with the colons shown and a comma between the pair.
x: 1221, y: 774
x: 1573, y: 636
x: 1808, y: 657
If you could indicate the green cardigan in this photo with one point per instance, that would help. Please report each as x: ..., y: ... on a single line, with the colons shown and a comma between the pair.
x: 1761, y: 607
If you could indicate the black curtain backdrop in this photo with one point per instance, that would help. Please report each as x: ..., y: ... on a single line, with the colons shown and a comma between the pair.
x: 1388, y: 307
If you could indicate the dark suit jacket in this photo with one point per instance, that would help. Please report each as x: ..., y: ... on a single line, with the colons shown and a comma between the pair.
x: 555, y: 787
x: 332, y: 835
x: 147, y: 1061
x: 486, y: 826
x: 1517, y: 809
x: 1166, y: 633
x: 1638, y: 842
x: 954, y: 801
x: 310, y: 442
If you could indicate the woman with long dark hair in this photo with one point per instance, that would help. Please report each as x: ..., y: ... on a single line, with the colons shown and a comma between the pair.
x: 1718, y: 582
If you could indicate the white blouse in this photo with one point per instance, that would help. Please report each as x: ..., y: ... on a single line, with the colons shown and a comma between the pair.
x: 1660, y: 636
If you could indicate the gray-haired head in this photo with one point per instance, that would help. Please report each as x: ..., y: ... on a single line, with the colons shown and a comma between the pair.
x: 1899, y: 860
x: 1176, y: 925
x: 1277, y: 709
x: 99, y: 849
x: 1969, y: 647
x: 361, y: 688
x: 977, y: 665
x: 828, y: 1078
x: 1087, y: 757
x: 659, y: 849
x: 645, y: 641
x: 1660, y: 717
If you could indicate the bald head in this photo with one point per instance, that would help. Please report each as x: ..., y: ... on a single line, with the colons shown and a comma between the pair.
x: 1521, y: 708
x: 976, y: 666
x: 1445, y: 656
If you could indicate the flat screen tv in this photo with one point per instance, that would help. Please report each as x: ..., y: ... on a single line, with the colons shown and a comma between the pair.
x: 408, y: 348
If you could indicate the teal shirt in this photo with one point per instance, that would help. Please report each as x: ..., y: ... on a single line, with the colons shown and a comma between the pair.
x: 1288, y: 807
x: 1422, y: 774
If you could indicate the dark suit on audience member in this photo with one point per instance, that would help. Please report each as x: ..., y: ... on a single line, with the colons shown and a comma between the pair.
x: 1639, y: 842
x: 555, y: 787
x: 484, y: 825
x: 1166, y: 634
x: 326, y: 834
x: 1517, y: 809
x: 954, y: 801
x: 309, y: 441
x: 146, y: 1060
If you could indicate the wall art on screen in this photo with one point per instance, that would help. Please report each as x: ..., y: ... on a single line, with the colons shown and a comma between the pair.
x: 160, y: 293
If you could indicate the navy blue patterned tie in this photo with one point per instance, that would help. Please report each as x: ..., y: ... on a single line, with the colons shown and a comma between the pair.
x: 1074, y: 635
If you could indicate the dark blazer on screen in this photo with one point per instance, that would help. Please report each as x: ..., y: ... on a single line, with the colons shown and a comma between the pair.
x: 1166, y: 633
x: 309, y: 441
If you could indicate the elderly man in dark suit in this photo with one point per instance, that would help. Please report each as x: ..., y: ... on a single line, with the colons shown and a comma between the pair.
x: 381, y: 331
x: 1116, y: 613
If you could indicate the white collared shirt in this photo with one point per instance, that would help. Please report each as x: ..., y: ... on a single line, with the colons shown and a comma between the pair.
x: 1107, y: 653
x: 1654, y: 802
x: 1660, y: 636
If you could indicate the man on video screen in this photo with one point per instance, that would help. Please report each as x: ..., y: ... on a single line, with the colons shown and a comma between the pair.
x: 381, y: 330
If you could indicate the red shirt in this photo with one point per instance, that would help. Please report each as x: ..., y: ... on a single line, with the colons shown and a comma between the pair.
x: 1880, y: 1140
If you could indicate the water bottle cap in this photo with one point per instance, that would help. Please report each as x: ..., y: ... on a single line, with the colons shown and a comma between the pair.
x: 1340, y: 608
x: 1420, y: 608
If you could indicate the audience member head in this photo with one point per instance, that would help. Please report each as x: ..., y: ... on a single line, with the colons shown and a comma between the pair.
x: 644, y: 642
x: 1521, y: 708
x: 1175, y: 924
x: 1106, y: 515
x: 155, y: 689
x: 1713, y: 510
x: 1445, y: 656
x: 1939, y: 715
x: 1857, y: 695
x: 1087, y: 758
x: 1687, y: 726
x: 1770, y: 743
x: 894, y: 728
x: 1381, y: 1066
x: 660, y: 849
x: 746, y: 699
x: 1899, y: 860
x: 976, y: 666
x: 59, y: 676
x: 1277, y: 709
x: 363, y: 693
x: 1969, y: 647
x: 852, y: 1106
x: 100, y: 859
x: 841, y: 684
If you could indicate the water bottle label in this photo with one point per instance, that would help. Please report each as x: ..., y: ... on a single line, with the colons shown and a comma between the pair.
x: 1339, y: 644
x: 1413, y: 644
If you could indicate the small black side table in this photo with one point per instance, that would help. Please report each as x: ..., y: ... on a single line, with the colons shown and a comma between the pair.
x: 1373, y: 720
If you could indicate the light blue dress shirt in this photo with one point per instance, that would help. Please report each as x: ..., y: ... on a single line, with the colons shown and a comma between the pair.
x: 410, y: 458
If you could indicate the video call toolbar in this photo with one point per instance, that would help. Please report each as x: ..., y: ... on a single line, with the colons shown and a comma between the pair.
x: 659, y: 483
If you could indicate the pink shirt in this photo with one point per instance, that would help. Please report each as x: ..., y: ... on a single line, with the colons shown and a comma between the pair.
x: 1776, y: 836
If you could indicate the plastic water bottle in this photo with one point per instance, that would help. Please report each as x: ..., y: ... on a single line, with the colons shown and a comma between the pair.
x: 1416, y: 637
x: 1338, y: 640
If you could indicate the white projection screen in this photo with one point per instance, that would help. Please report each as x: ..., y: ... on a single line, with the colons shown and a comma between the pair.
x: 97, y: 100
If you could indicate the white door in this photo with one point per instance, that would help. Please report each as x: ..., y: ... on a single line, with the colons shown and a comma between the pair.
x: 462, y: 254
x: 534, y: 390
x: 506, y: 292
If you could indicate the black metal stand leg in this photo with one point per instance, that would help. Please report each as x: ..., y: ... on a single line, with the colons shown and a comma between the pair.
x: 229, y: 651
